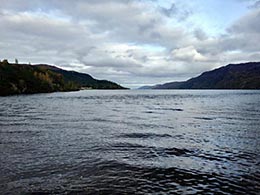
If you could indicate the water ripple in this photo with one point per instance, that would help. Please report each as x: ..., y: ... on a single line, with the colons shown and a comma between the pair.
x: 131, y: 142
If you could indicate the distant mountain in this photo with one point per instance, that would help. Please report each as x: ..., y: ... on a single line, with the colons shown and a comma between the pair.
x: 232, y: 76
x: 146, y: 87
x: 29, y: 79
x: 82, y: 79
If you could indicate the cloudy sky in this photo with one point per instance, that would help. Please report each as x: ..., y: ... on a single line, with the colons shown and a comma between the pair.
x: 132, y: 42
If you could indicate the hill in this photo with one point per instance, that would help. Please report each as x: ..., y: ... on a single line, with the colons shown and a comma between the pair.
x: 82, y: 79
x: 232, y: 76
x: 29, y: 79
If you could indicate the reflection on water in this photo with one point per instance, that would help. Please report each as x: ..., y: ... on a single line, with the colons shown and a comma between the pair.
x: 180, y: 142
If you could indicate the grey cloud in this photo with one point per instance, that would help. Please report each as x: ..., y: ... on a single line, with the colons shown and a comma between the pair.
x: 40, y: 26
x: 180, y: 13
x: 122, y: 20
x: 241, y: 37
x: 247, y: 24
x: 169, y: 12
x: 119, y: 39
x: 255, y: 5
x: 200, y: 34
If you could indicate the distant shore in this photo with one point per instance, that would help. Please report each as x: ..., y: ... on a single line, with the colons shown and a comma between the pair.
x: 31, y: 79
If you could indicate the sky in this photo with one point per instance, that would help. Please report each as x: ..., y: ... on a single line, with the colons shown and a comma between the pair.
x: 131, y: 42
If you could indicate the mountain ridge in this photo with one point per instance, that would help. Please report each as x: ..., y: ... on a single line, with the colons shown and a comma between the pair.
x: 231, y: 76
x: 85, y: 80
x: 41, y: 78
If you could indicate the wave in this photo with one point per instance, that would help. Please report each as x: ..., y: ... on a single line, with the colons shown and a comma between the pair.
x: 118, y: 177
x: 143, y: 135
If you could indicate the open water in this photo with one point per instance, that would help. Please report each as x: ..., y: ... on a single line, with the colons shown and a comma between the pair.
x: 131, y: 142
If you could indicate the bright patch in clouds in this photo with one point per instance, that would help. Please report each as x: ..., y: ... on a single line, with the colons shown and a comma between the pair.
x: 134, y: 43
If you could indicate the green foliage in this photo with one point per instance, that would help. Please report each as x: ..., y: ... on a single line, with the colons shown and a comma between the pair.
x: 26, y: 79
x: 82, y: 80
x: 5, y: 62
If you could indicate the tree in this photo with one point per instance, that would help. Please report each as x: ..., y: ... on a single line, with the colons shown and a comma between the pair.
x: 16, y: 61
x: 5, y: 62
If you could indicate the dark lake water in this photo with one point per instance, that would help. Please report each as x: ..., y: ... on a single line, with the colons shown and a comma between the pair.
x: 131, y: 142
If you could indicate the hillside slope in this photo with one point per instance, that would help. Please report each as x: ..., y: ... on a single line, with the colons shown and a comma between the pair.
x: 82, y: 79
x: 232, y: 76
x: 29, y: 79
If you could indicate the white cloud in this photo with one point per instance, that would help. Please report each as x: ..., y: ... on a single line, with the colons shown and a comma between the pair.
x: 119, y: 39
x: 189, y: 54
